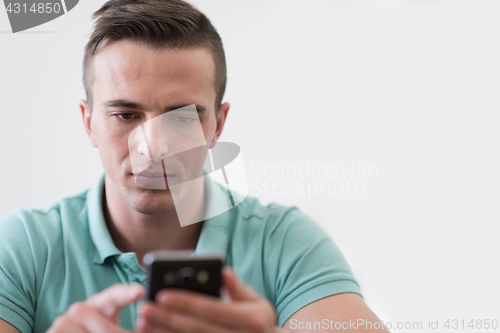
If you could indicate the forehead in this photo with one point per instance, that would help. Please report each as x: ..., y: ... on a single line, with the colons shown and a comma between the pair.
x: 128, y: 69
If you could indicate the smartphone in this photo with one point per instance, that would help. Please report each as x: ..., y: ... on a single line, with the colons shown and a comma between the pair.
x: 184, y: 270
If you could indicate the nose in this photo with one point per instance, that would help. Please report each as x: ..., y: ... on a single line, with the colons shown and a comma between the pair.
x: 155, y: 143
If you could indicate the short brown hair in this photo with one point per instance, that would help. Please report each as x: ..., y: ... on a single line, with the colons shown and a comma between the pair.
x: 159, y: 24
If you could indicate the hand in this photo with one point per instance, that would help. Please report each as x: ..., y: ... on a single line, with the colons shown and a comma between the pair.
x: 100, y: 312
x: 179, y: 311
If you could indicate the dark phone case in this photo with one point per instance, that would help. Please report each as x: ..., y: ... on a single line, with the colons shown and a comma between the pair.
x: 160, y: 268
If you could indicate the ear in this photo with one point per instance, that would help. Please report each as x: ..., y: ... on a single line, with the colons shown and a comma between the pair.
x: 221, y: 120
x: 86, y: 116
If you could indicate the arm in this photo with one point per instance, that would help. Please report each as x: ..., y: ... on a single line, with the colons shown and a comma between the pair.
x: 5, y: 327
x: 182, y: 311
x: 100, y: 313
x: 17, y: 275
x: 348, y: 311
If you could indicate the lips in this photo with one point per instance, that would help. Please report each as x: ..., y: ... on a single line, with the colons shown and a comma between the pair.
x: 152, y: 174
x: 152, y: 179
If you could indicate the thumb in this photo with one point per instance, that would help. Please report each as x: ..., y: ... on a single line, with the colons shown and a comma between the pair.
x: 237, y: 290
x: 113, y: 299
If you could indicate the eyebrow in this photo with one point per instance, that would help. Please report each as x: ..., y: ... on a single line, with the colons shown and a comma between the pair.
x: 134, y: 105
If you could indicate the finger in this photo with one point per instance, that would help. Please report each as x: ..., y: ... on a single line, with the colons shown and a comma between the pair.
x: 65, y: 324
x: 111, y: 300
x: 144, y: 326
x: 164, y: 319
x: 91, y: 320
x: 237, y: 290
x: 154, y: 330
x: 204, y: 307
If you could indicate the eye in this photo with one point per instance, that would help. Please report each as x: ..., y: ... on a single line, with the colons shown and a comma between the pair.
x: 124, y: 116
x: 184, y: 120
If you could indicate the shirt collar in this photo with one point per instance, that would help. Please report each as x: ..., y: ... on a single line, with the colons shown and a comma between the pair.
x: 104, y: 245
x: 214, y: 235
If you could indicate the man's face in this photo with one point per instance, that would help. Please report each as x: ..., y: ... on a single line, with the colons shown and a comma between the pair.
x: 134, y: 84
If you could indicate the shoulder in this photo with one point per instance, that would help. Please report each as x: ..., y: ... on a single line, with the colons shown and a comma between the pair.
x: 45, y: 216
x: 281, y: 234
x: 30, y: 228
x: 29, y: 237
x: 275, y: 220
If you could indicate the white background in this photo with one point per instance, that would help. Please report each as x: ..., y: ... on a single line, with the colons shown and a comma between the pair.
x: 410, y: 87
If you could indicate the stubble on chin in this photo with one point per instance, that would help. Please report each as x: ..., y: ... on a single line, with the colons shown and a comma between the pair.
x: 150, y: 202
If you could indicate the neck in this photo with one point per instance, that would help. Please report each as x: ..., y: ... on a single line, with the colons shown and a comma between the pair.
x: 132, y: 231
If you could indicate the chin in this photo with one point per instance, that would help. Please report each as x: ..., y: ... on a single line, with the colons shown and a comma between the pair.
x: 151, y: 202
x: 154, y: 210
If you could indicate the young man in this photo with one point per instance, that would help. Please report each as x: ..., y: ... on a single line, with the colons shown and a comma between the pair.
x: 75, y: 266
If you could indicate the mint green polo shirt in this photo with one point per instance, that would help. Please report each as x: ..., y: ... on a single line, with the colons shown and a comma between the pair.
x: 63, y: 253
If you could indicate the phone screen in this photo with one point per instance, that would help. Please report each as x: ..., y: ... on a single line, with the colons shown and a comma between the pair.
x: 179, y: 270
